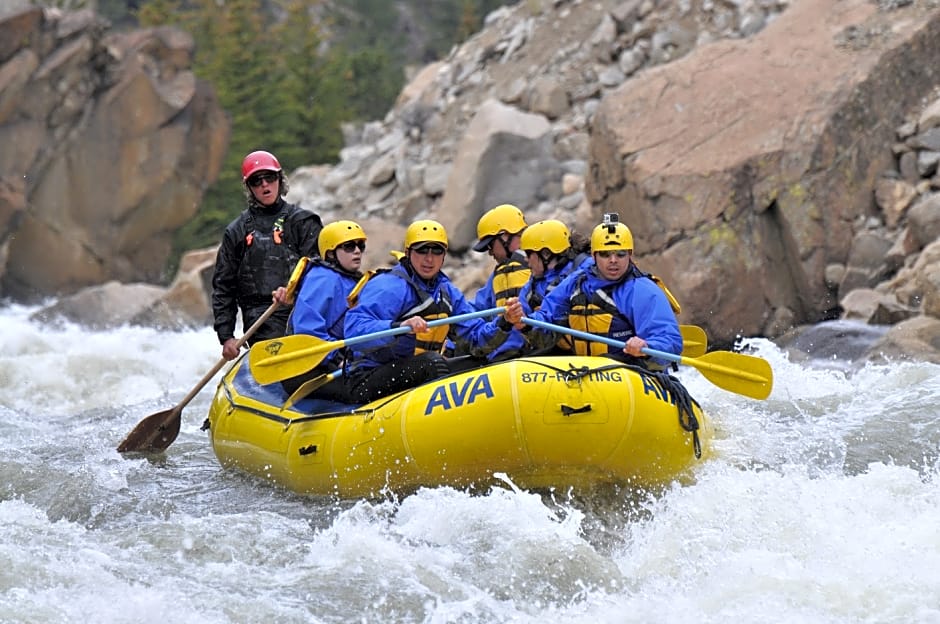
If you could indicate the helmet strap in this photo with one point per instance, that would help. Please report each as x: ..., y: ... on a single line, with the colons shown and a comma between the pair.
x: 505, y: 244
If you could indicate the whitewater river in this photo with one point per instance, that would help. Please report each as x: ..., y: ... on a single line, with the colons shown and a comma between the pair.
x: 823, y: 505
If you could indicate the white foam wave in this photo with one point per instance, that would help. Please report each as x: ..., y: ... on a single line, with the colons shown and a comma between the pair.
x: 819, y: 506
x: 66, y: 368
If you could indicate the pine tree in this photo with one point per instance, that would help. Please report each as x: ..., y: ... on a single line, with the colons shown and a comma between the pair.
x: 310, y: 104
x: 286, y: 89
x: 469, y: 21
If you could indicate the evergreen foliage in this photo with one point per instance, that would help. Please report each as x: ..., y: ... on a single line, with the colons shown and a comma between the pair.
x: 281, y: 92
x: 290, y: 72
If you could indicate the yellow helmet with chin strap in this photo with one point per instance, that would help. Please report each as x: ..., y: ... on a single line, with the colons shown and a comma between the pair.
x: 502, y: 218
x: 611, y: 235
x: 550, y: 234
x: 335, y: 234
x: 425, y: 231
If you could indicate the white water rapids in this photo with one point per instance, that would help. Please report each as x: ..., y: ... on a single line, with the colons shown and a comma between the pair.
x: 822, y: 505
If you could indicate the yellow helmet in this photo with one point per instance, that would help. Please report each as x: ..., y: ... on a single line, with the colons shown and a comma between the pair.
x: 335, y: 234
x: 503, y: 218
x: 551, y: 234
x: 425, y: 231
x: 611, y: 237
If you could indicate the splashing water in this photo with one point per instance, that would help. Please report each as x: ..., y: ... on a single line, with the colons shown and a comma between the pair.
x: 819, y: 506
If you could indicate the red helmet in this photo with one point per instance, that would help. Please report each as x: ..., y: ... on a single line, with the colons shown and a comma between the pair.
x: 259, y: 161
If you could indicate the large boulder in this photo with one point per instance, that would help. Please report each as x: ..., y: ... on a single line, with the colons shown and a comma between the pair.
x: 745, y: 168
x: 184, y: 303
x: 106, y: 306
x: 116, y: 142
x: 187, y: 302
x: 915, y: 339
x: 505, y: 157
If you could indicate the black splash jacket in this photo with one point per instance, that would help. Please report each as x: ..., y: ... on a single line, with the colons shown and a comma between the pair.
x: 258, y: 252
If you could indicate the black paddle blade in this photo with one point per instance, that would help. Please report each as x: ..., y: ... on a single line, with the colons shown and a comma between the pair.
x: 154, y: 433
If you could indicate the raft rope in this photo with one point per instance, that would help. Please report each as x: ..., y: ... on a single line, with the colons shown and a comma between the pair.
x: 684, y: 405
x: 671, y: 388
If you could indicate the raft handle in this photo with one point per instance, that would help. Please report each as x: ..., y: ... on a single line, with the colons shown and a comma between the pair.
x: 568, y: 411
x: 307, y: 450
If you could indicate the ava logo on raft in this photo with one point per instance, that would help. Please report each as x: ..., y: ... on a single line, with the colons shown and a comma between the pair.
x: 454, y: 394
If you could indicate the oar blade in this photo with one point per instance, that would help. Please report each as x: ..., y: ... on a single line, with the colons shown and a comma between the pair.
x: 158, y: 431
x: 282, y: 358
x: 736, y: 372
x: 694, y: 341
x: 309, y: 387
x: 154, y: 433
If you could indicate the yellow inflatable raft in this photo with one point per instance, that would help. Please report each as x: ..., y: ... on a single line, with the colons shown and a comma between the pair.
x: 543, y: 421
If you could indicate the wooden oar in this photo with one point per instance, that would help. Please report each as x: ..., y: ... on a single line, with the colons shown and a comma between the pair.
x: 158, y: 431
x: 735, y: 372
x: 694, y: 341
x: 283, y: 358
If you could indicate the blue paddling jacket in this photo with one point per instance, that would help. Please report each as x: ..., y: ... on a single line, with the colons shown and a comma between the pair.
x: 631, y: 306
x: 320, y: 306
x: 395, y: 295
x: 511, y: 275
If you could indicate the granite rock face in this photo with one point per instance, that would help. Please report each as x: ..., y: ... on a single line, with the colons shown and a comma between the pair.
x: 776, y: 161
x: 755, y: 161
x: 114, y: 142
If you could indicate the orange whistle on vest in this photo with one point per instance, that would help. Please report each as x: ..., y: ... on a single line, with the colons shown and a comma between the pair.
x: 277, y: 237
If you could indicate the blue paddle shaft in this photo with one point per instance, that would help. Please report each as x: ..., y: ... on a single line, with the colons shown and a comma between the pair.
x: 595, y: 338
x: 395, y: 331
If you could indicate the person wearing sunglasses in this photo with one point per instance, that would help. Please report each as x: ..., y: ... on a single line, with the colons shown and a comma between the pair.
x: 611, y: 297
x: 410, y: 294
x: 553, y: 252
x: 258, y: 252
x: 499, y: 232
x: 322, y: 300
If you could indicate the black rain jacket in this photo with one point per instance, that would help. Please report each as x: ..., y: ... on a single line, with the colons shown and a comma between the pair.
x: 258, y: 252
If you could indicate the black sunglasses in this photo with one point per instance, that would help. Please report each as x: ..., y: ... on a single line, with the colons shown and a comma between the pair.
x: 437, y: 250
x: 501, y: 238
x: 351, y: 246
x: 620, y: 253
x: 270, y: 177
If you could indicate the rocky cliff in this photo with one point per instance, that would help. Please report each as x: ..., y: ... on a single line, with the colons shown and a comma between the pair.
x: 109, y: 143
x: 777, y: 162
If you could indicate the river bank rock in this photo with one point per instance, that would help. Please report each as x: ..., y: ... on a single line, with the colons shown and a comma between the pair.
x: 773, y: 170
x: 776, y: 161
x: 755, y: 161
x: 185, y: 303
x: 116, y: 140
